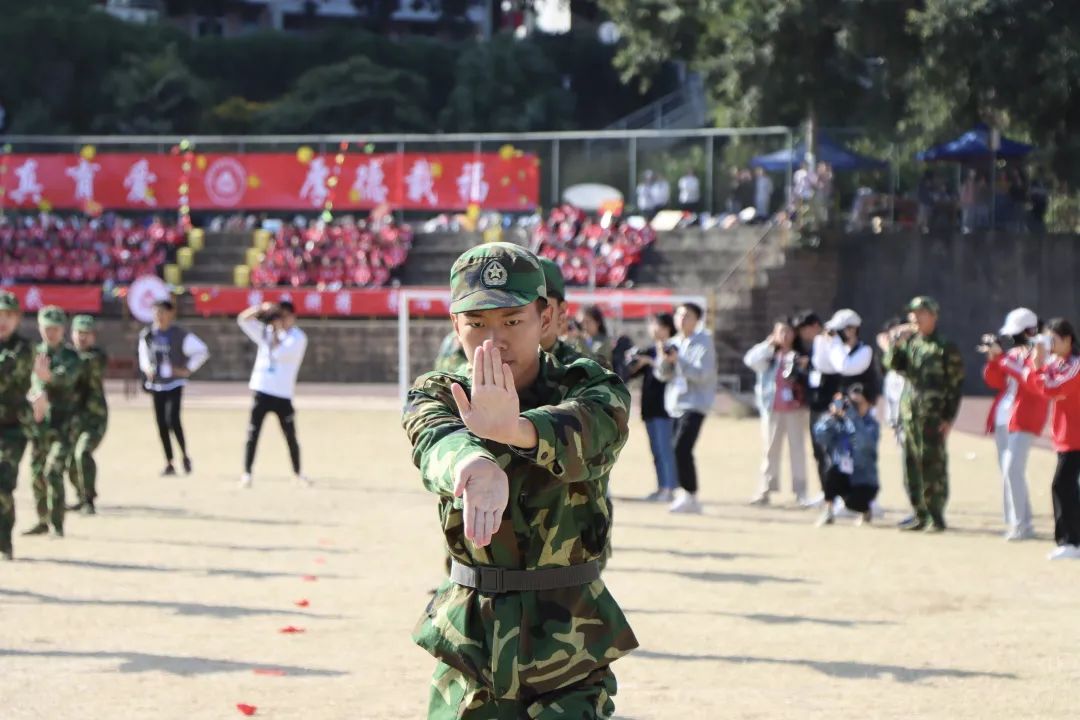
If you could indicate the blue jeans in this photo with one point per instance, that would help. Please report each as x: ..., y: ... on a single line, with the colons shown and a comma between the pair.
x: 660, y: 440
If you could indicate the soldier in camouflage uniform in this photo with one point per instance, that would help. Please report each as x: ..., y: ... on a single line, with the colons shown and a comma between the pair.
x: 57, y: 371
x: 552, y: 339
x: 92, y: 415
x: 519, y: 454
x: 934, y: 371
x: 16, y: 366
x: 451, y: 358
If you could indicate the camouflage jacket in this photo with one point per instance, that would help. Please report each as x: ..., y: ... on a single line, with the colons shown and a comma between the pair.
x: 598, y: 349
x: 61, y: 390
x: 521, y: 644
x: 566, y: 353
x: 451, y: 358
x: 91, y: 407
x: 16, y: 367
x: 934, y: 371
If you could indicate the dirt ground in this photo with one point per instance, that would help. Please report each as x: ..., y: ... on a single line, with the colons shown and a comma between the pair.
x: 170, y: 602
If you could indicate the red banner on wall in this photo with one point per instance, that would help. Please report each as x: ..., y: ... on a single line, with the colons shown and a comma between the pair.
x: 271, y: 181
x: 72, y: 298
x: 380, y: 302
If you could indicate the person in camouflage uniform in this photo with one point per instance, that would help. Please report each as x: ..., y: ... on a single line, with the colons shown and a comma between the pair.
x: 519, y: 453
x: 934, y: 371
x: 552, y: 340
x: 451, y: 358
x: 92, y: 414
x: 16, y: 366
x: 57, y: 372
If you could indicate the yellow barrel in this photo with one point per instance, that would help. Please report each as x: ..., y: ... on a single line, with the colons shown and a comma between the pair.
x: 262, y: 239
x: 254, y: 257
x: 172, y: 274
x: 241, y: 276
x: 195, y: 239
x: 185, y: 256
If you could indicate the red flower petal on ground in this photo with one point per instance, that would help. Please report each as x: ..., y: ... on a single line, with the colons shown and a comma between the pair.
x: 320, y: 561
x: 309, y: 578
x: 276, y: 672
x: 291, y: 630
x: 246, y: 709
x: 302, y: 603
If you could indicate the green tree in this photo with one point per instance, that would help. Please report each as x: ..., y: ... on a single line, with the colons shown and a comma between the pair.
x: 159, y: 94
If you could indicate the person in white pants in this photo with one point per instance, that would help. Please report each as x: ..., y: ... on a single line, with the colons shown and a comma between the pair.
x: 1017, y: 416
x: 784, y: 414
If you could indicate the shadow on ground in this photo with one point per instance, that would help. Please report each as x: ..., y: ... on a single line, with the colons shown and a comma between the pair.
x: 764, y: 618
x: 135, y: 662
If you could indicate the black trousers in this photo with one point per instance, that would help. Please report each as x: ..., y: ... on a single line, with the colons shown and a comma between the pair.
x: 283, y: 408
x: 1066, y: 493
x: 687, y: 429
x: 857, y: 498
x: 167, y: 413
x: 821, y: 455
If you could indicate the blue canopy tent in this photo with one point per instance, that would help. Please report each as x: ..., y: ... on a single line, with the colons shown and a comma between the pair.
x: 828, y: 151
x: 975, y: 145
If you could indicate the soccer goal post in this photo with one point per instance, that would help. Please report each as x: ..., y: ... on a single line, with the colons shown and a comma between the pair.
x: 614, y: 304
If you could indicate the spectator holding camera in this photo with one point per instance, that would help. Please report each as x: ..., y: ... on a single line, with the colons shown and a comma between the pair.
x: 1055, y: 375
x: 1017, y: 416
x: 658, y: 424
x: 781, y: 403
x: 850, y: 434
x: 281, y: 347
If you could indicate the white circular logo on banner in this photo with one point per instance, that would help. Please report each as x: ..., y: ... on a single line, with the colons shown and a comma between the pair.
x: 143, y: 293
x: 226, y: 181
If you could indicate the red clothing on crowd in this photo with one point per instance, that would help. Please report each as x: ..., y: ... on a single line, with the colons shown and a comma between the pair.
x: 1059, y: 381
x: 1030, y: 409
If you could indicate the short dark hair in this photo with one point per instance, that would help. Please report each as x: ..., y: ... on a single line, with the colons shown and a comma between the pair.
x: 783, y: 320
x: 287, y: 306
x: 1063, y: 328
x: 806, y: 318
x: 694, y: 308
x: 666, y: 320
x: 165, y: 303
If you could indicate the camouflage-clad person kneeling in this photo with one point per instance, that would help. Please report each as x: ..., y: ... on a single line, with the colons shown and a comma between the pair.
x: 91, y: 415
x: 52, y: 393
x: 16, y: 366
x: 519, y: 455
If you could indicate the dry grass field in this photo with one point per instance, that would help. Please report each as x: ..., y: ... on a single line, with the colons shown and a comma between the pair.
x: 169, y: 604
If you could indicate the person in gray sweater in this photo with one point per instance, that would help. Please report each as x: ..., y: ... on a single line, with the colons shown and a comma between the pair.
x: 689, y: 369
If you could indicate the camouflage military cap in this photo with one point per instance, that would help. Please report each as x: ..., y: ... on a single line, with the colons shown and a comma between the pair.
x: 924, y: 302
x: 8, y: 301
x: 556, y: 284
x: 82, y: 322
x: 495, y: 275
x: 51, y: 316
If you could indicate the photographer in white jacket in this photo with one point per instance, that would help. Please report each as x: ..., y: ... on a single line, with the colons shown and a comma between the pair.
x: 272, y: 327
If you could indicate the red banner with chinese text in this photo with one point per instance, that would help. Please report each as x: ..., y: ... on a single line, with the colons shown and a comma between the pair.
x: 72, y: 298
x: 382, y: 302
x: 270, y: 181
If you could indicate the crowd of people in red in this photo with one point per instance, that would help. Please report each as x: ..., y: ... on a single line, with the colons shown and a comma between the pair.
x: 347, y: 253
x: 49, y: 249
x: 580, y: 245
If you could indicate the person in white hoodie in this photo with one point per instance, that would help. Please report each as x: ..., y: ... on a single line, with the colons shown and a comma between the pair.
x: 781, y: 403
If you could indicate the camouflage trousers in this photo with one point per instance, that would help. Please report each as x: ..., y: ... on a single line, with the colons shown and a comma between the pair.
x: 12, y: 447
x: 82, y: 469
x: 50, y: 452
x: 926, y: 467
x: 456, y: 697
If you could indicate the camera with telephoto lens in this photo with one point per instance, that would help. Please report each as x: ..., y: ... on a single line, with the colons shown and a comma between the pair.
x: 991, y: 340
x: 271, y: 314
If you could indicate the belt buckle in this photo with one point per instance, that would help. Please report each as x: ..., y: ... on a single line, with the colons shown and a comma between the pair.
x: 492, y: 579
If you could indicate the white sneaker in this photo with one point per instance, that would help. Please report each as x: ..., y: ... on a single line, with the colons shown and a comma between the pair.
x: 760, y: 500
x: 663, y: 495
x: 245, y: 480
x: 841, y: 510
x: 1018, y: 534
x: 826, y: 518
x: 685, y: 503
x: 1065, y: 552
x: 812, y: 502
x: 876, y: 511
x: 303, y: 481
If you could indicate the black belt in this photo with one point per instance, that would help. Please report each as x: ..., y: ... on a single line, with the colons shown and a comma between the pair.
x: 501, y: 580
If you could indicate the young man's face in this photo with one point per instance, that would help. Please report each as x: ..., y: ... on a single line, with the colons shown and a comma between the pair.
x: 9, y: 320
x: 516, y: 332
x: 686, y: 320
x: 52, y: 334
x: 82, y: 339
x: 924, y: 319
x: 807, y: 333
x: 559, y: 320
x: 163, y: 316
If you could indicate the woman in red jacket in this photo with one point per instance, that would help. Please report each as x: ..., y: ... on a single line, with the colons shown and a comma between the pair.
x: 1016, y: 418
x: 1058, y: 378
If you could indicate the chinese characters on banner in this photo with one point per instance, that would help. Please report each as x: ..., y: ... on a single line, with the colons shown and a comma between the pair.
x: 273, y: 181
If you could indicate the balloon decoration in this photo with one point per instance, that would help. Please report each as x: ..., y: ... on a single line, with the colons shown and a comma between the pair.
x: 305, y: 154
x: 187, y: 152
x: 506, y: 152
x: 88, y: 152
x: 332, y: 183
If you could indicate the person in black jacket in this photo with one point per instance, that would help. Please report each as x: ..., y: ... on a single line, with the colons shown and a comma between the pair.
x: 660, y: 426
